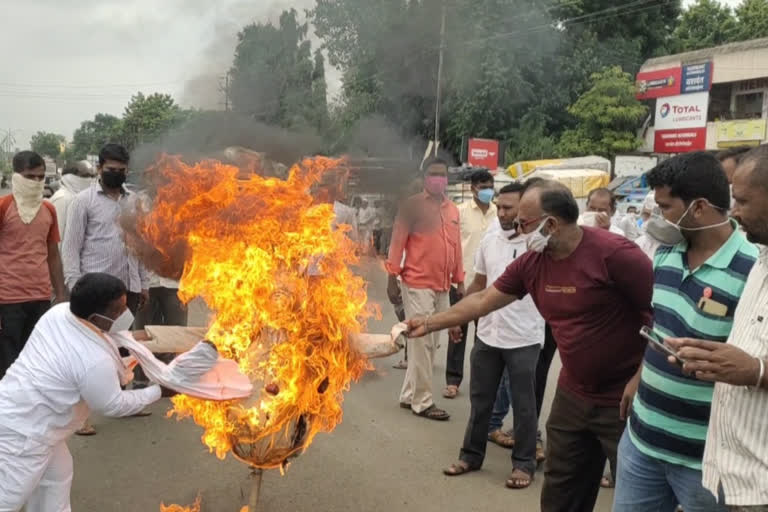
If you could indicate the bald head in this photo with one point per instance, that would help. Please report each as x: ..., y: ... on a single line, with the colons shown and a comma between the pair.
x: 549, y: 198
x: 750, y: 194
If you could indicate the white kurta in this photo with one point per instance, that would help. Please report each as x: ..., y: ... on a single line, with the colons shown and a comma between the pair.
x: 64, y: 370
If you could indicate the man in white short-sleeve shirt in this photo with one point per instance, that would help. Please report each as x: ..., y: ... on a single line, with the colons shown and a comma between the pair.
x: 509, y: 338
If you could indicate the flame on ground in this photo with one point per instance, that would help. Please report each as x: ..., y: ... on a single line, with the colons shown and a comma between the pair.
x: 195, y: 507
x: 263, y: 256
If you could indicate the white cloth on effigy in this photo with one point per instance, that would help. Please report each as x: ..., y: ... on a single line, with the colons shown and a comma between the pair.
x: 199, y: 372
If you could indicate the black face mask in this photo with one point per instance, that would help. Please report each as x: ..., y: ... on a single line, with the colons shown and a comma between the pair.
x: 113, y: 179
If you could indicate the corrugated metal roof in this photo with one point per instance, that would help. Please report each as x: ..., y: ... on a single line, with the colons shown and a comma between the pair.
x: 708, y: 53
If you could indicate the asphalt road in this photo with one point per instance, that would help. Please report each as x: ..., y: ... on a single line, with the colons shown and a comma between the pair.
x: 381, y: 458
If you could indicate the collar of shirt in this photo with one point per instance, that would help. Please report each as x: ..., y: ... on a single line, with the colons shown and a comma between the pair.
x: 100, y: 190
x: 724, y: 255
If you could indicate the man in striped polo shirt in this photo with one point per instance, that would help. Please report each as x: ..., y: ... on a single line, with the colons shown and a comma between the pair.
x: 697, y: 285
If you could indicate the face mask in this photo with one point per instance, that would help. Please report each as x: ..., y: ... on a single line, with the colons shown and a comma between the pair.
x: 435, y: 185
x: 674, y: 230
x: 486, y: 195
x: 121, y: 323
x: 536, y: 241
x: 28, y: 195
x: 509, y: 233
x: 663, y: 231
x: 588, y: 219
x: 113, y: 179
x: 75, y: 183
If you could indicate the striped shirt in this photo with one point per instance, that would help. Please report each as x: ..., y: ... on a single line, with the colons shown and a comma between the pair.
x: 671, y: 410
x: 736, y: 455
x: 93, y: 241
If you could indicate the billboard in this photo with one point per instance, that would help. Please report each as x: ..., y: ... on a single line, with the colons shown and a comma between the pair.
x: 681, y: 123
x: 746, y: 132
x: 658, y: 84
x: 696, y: 78
x: 483, y: 153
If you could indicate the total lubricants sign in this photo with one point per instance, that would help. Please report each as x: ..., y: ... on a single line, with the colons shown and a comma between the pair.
x: 681, y: 123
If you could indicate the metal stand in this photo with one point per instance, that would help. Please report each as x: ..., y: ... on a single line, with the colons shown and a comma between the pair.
x: 253, y: 497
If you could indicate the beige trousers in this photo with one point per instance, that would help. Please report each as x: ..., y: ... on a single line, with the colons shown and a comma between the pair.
x: 417, y: 386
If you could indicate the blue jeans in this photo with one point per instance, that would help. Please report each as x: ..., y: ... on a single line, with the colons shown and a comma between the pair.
x: 501, y: 406
x: 645, y: 484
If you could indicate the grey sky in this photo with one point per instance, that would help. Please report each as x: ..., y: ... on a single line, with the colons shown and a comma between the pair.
x: 89, y: 56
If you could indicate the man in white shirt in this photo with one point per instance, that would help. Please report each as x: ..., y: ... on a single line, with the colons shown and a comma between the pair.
x: 475, y: 217
x: 601, y: 207
x: 735, y: 465
x: 68, y: 367
x: 509, y: 338
x: 74, y: 179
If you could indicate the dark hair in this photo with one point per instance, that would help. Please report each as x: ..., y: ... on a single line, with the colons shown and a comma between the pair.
x: 25, y: 160
x: 434, y: 161
x: 93, y: 293
x: 555, y: 199
x: 603, y: 190
x: 511, y: 188
x: 736, y: 153
x: 758, y: 156
x: 481, y: 177
x: 692, y: 176
x: 114, y: 152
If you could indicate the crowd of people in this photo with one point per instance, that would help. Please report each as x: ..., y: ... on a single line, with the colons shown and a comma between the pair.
x: 681, y: 422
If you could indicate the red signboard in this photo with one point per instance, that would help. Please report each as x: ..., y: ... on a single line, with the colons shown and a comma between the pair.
x: 681, y: 140
x: 660, y: 83
x: 483, y: 153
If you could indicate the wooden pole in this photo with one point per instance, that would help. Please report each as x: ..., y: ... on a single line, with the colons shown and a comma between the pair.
x: 253, y: 498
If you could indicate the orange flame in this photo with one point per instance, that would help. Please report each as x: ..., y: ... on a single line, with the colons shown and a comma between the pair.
x: 264, y: 257
x: 195, y: 507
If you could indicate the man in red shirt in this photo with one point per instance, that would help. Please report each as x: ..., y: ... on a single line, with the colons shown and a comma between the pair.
x: 425, y: 253
x: 594, y: 289
x: 29, y: 256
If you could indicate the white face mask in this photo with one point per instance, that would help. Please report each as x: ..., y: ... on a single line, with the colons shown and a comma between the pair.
x: 121, y: 323
x: 672, y: 233
x: 588, y: 219
x: 536, y: 241
x: 28, y: 195
x: 509, y: 233
x: 75, y: 183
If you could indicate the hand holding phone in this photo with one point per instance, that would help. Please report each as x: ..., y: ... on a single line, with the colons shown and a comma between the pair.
x: 658, y: 343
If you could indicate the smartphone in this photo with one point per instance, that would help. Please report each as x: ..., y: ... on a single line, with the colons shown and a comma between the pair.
x: 658, y: 342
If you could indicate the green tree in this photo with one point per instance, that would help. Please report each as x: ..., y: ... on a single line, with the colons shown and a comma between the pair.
x: 47, y: 144
x: 146, y: 118
x: 274, y: 77
x: 752, y: 18
x: 705, y: 24
x: 89, y: 138
x: 607, y: 115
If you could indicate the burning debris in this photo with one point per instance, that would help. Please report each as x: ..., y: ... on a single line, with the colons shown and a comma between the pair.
x: 262, y: 253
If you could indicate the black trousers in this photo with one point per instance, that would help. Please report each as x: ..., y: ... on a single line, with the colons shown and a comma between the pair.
x: 454, y: 364
x: 542, y: 367
x: 487, y: 366
x: 16, y: 324
x: 580, y: 436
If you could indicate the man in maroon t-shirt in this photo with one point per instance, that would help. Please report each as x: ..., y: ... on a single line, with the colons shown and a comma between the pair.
x: 594, y: 288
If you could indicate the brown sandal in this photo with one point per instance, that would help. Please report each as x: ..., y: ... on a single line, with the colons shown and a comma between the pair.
x: 460, y: 468
x: 433, y: 413
x: 519, y: 479
x: 502, y: 439
x: 87, y: 430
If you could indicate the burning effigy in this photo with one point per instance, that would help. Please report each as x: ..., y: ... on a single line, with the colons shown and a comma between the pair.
x: 263, y: 255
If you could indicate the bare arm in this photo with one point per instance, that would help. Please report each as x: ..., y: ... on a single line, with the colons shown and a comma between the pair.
x: 57, y: 273
x: 478, y: 284
x: 472, y: 307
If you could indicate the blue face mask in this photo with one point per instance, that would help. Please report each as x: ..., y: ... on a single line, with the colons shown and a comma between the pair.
x: 486, y: 195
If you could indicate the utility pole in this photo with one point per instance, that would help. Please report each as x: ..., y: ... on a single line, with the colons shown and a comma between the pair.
x: 224, y: 88
x: 439, y: 79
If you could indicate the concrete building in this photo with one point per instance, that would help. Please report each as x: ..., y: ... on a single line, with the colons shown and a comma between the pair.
x: 706, y: 99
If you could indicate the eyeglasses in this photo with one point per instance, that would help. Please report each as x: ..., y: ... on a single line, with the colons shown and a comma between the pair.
x: 124, y: 170
x: 525, y: 224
